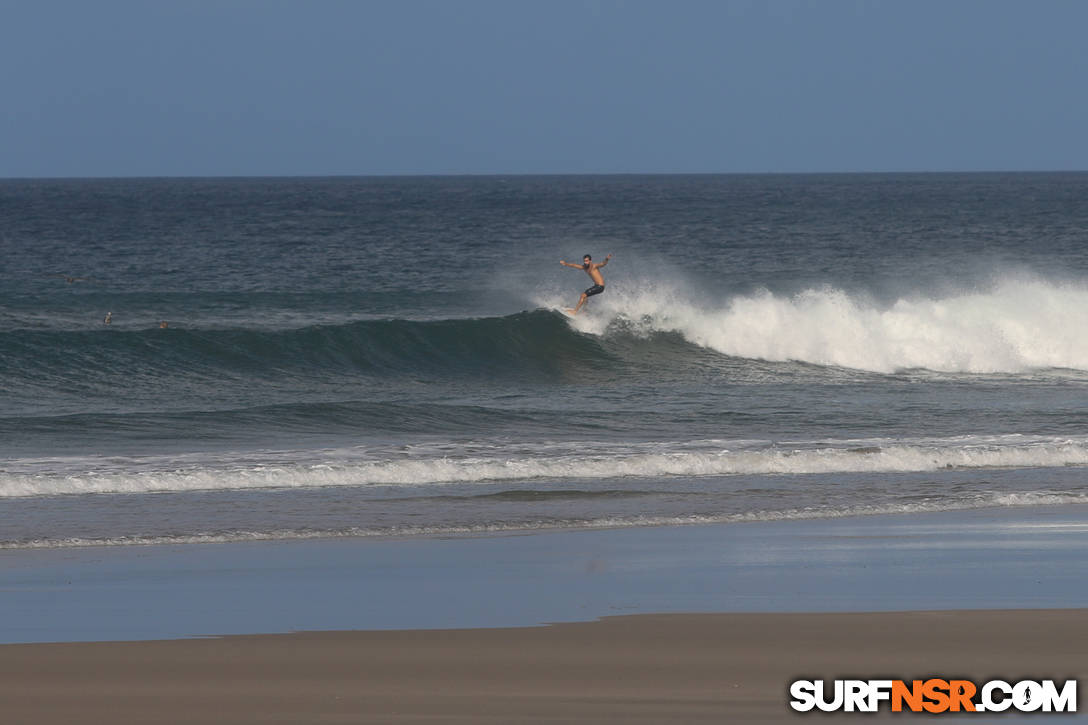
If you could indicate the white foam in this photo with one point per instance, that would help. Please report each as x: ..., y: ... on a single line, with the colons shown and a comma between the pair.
x: 1021, y: 499
x: 596, y: 461
x: 1015, y: 325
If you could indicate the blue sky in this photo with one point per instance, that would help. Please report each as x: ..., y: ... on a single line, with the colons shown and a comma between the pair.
x: 246, y: 87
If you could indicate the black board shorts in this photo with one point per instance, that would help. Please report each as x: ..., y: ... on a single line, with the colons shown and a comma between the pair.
x: 594, y: 290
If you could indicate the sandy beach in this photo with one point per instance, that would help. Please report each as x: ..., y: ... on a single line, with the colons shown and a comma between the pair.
x: 655, y: 625
x: 643, y: 668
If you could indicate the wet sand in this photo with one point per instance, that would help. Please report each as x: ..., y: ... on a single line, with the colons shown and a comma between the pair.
x: 1026, y: 558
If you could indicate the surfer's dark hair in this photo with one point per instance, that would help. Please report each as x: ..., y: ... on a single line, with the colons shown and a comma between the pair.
x: 586, y: 256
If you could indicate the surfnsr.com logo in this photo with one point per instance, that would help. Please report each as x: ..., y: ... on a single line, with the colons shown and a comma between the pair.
x: 933, y: 695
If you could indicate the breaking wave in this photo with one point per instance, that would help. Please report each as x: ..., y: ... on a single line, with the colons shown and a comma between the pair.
x: 602, y: 463
x: 1014, y: 326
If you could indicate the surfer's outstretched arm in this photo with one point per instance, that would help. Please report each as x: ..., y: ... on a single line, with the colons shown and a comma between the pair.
x: 568, y: 264
x: 607, y: 257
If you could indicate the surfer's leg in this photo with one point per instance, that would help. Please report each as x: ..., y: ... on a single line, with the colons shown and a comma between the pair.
x: 594, y: 290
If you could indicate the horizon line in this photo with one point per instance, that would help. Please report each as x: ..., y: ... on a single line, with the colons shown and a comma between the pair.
x: 526, y: 174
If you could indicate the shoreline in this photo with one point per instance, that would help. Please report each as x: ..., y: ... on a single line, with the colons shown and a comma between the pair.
x: 703, y: 623
x: 649, y: 668
x: 1014, y: 558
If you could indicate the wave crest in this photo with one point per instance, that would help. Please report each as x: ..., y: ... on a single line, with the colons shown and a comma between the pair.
x: 1015, y: 326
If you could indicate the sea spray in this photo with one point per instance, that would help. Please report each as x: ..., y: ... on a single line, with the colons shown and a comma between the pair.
x: 1015, y: 326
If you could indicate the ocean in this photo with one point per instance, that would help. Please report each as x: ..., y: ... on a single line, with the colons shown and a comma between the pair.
x: 388, y: 357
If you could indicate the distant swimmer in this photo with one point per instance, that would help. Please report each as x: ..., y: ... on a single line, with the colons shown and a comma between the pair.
x: 70, y: 280
x: 163, y: 325
x: 108, y: 319
x: 594, y: 272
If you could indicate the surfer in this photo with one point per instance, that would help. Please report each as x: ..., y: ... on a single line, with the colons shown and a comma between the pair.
x: 594, y: 272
